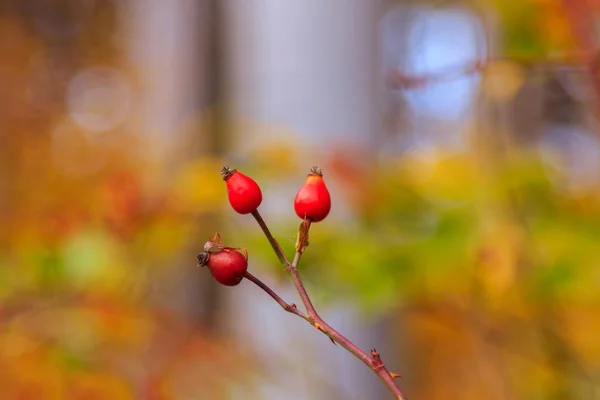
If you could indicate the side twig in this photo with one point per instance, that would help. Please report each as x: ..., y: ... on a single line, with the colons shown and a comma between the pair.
x: 291, y: 308
x: 373, y: 360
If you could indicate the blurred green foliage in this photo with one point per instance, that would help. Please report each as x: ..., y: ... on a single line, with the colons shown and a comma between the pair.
x: 461, y: 227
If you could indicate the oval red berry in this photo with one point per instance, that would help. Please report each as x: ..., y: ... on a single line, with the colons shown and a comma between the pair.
x: 313, y: 201
x: 243, y: 192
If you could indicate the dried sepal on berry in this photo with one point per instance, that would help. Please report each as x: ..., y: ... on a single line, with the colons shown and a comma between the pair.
x: 228, y: 265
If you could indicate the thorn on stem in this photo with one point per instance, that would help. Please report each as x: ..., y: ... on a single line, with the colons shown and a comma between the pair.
x: 320, y: 328
x: 394, y: 375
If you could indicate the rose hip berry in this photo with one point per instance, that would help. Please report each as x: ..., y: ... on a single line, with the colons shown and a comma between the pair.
x: 313, y: 201
x: 243, y: 192
x: 227, y: 265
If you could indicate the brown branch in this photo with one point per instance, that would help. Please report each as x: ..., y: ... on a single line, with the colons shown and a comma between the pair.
x: 397, y: 79
x: 291, y: 308
x: 580, y: 60
x: 373, y: 361
x: 276, y: 247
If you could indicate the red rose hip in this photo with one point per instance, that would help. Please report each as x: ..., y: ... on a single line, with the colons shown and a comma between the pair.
x: 313, y: 201
x: 243, y: 192
x: 227, y: 266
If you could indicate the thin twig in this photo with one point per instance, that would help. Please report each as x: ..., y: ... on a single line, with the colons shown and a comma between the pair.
x: 276, y: 247
x: 397, y: 79
x: 310, y: 309
x: 375, y: 364
x: 373, y: 361
x: 583, y: 59
x: 291, y: 308
x: 296, y: 259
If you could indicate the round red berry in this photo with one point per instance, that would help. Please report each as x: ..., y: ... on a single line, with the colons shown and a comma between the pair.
x: 313, y: 201
x: 227, y: 266
x: 243, y: 192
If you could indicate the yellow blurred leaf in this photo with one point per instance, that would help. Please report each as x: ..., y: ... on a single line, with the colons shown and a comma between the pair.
x: 199, y: 186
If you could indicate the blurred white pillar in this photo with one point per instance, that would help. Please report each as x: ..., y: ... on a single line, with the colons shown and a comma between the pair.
x: 167, y: 46
x: 310, y: 66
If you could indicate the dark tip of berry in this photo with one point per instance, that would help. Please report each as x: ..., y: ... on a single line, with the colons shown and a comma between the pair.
x: 316, y: 171
x: 227, y: 172
x: 203, y: 259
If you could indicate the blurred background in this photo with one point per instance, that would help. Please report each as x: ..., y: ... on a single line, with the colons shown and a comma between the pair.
x: 460, y: 143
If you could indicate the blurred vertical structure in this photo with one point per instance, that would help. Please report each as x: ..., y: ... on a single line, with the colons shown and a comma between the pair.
x: 312, y: 67
x: 175, y: 48
x: 217, y: 37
